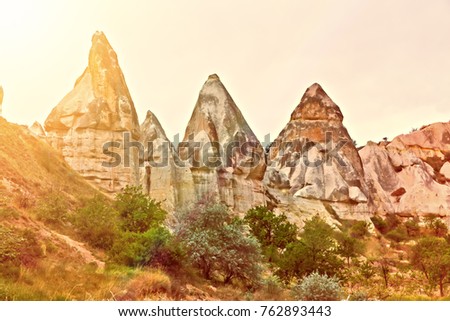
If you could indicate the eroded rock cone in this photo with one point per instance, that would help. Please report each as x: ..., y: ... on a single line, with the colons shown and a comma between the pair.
x: 98, y: 110
x: 314, y: 158
x: 228, y: 160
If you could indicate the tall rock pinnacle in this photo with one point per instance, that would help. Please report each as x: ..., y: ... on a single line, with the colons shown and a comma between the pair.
x: 226, y: 157
x: 98, y: 110
x: 314, y: 157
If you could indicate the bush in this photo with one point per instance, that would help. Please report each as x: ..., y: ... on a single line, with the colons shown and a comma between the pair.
x: 435, y: 226
x: 398, y: 234
x: 412, y: 227
x: 53, y: 209
x: 137, y: 211
x: 218, y: 243
x: 97, y: 223
x: 359, y: 230
x: 148, y: 283
x: 17, y: 248
x: 379, y: 224
x: 316, y: 287
x: 142, y: 239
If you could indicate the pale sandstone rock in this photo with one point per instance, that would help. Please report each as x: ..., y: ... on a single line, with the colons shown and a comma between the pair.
x: 445, y: 170
x: 37, y: 129
x: 98, y: 110
x: 233, y: 175
x: 157, y: 168
x: 405, y: 175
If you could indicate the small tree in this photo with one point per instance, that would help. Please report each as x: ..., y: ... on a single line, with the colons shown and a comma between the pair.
x: 137, y: 211
x: 316, y: 287
x: 317, y: 250
x: 349, y: 247
x: 431, y: 255
x: 436, y: 227
x: 217, y: 242
x: 274, y: 232
x: 143, y: 240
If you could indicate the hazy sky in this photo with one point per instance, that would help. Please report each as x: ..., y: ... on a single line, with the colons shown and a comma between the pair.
x: 385, y: 63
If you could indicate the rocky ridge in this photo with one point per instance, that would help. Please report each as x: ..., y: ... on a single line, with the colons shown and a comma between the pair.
x: 313, y: 167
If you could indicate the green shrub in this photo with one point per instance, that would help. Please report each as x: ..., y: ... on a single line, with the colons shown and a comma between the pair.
x: 359, y: 230
x: 53, y: 209
x: 316, y: 287
x: 274, y: 232
x: 138, y: 212
x: 142, y: 240
x: 379, y: 224
x: 97, y: 223
x: 17, y: 248
x: 399, y: 234
x: 316, y: 250
x: 412, y: 227
x: 435, y: 226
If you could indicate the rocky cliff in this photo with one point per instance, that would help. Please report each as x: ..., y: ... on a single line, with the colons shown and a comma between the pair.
x: 221, y: 155
x: 410, y: 175
x: 98, y: 110
x: 158, y: 172
x: 313, y: 162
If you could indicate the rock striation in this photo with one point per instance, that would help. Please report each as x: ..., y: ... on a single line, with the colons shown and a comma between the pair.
x: 410, y: 175
x: 314, y: 163
x: 98, y: 110
x: 220, y: 155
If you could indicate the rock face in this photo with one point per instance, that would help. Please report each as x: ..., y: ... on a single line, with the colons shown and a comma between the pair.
x: 157, y: 170
x: 314, y: 162
x: 410, y: 175
x: 220, y: 153
x: 98, y: 110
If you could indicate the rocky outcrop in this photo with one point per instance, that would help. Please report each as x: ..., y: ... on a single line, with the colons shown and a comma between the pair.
x: 313, y: 162
x: 37, y: 129
x: 99, y: 110
x: 417, y: 164
x: 157, y: 167
x: 220, y: 155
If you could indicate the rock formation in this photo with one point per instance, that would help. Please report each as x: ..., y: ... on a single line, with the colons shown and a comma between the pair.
x: 157, y: 171
x: 313, y: 163
x: 410, y: 175
x: 98, y: 110
x: 220, y: 153
x: 37, y: 129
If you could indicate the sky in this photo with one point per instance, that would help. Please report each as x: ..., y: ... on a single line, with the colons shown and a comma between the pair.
x: 385, y: 63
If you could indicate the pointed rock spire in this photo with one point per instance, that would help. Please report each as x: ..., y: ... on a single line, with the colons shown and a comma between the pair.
x: 100, y: 98
x: 221, y: 134
x: 314, y: 156
x: 97, y: 111
x: 316, y: 105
